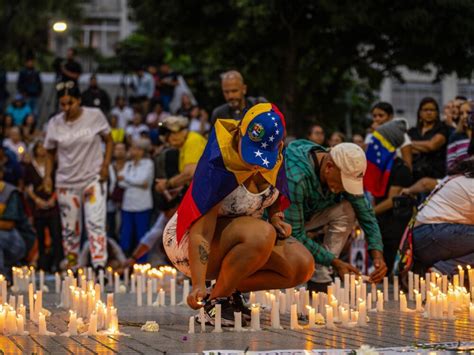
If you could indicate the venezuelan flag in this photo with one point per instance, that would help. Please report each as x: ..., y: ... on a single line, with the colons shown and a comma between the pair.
x: 219, y: 172
x: 380, y: 157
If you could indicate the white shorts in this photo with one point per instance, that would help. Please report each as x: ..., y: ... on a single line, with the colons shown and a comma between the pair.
x: 178, y: 254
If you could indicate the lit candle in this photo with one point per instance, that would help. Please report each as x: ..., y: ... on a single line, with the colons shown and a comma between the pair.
x: 255, y: 316
x: 72, y: 325
x: 126, y: 274
x: 329, y: 317
x: 353, y: 295
x: 379, y: 301
x: 149, y: 292
x: 471, y: 312
x: 237, y: 321
x: 38, y: 303
x: 369, y: 302
x: 312, y: 318
x: 282, y: 303
x: 395, y: 288
x: 275, y: 315
x: 416, y: 282
x: 455, y: 280
x: 92, y: 330
x: 422, y: 288
x: 31, y: 302
x: 3, y: 315
x: 173, y: 291
x: 217, y: 319
x: 385, y: 288
x: 117, y: 282
x: 42, y: 330
x: 133, y: 282
x: 191, y: 325
x: 252, y: 298
x: 109, y: 275
x: 362, y: 320
x: 20, y: 325
x: 419, y: 307
x: 139, y: 290
x: 294, y: 317
x: 11, y: 327
x: 113, y: 325
x: 403, y: 302
x: 410, y: 285
x: 344, y: 316
x: 346, y: 288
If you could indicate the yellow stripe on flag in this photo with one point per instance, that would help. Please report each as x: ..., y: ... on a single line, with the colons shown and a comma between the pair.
x: 384, y: 142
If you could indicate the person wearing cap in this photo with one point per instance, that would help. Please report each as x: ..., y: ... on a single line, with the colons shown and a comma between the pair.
x: 237, y: 103
x: 137, y: 180
x: 190, y: 146
x: 18, y: 110
x: 219, y: 231
x: 326, y: 190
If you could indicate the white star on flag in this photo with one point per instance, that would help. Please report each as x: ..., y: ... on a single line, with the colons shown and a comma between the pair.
x: 269, y: 114
x: 264, y: 145
x: 265, y: 162
x: 276, y: 124
x: 273, y: 118
x: 271, y: 139
x: 258, y: 153
x: 277, y: 131
x: 376, y: 147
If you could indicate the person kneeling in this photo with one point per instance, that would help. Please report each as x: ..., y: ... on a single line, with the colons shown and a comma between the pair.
x: 218, y: 231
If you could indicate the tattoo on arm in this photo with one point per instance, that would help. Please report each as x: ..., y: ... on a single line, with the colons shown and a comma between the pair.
x: 203, y: 252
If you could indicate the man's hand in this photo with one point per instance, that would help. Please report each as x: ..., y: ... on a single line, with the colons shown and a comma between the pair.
x: 104, y: 174
x: 343, y: 268
x: 283, y: 229
x: 380, y: 267
x: 160, y: 185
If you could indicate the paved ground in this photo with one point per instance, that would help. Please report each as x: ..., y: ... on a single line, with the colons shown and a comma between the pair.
x: 387, y: 329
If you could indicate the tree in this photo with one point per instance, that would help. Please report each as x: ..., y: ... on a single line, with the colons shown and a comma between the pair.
x: 305, y: 55
x: 24, y: 26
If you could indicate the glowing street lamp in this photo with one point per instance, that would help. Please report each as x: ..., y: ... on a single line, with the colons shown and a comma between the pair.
x: 60, y: 26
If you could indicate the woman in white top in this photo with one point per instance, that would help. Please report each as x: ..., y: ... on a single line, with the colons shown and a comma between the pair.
x: 137, y: 180
x: 443, y: 236
x: 75, y: 136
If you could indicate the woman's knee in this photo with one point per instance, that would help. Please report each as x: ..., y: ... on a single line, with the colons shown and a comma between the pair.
x: 260, y: 238
x: 300, y: 263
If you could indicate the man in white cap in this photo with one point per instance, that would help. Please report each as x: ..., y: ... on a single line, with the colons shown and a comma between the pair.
x: 326, y: 191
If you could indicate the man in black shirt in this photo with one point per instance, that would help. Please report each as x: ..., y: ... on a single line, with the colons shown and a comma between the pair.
x: 94, y: 96
x: 29, y: 84
x: 70, y: 70
x: 234, y: 91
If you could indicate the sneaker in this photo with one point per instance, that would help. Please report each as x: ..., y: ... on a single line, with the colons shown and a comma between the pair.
x: 227, y: 312
x: 238, y: 301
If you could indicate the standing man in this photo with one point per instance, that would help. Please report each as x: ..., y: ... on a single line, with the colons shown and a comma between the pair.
x: 96, y: 97
x: 29, y: 85
x: 326, y: 192
x: 70, y: 70
x: 234, y: 91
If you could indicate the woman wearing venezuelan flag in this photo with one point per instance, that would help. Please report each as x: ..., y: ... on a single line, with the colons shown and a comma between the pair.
x: 219, y: 232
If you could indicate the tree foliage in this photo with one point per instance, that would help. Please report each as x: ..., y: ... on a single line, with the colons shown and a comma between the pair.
x: 306, y: 55
x: 24, y: 26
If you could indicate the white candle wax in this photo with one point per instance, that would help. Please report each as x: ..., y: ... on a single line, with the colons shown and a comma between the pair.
x: 395, y: 288
x: 126, y: 274
x: 282, y: 303
x: 110, y: 300
x: 315, y: 300
x: 255, y: 316
x: 139, y: 291
x: 117, y: 282
x: 422, y: 288
x: 38, y: 303
x: 185, y: 291
x: 133, y: 283
x: 471, y: 312
x: 416, y: 282
x: 101, y: 280
x: 20, y: 324
x: 11, y: 327
x: 294, y: 317
x: 252, y: 298
x: 57, y: 282
x: 403, y: 302
x: 347, y: 287
x: 362, y: 320
x: 191, y: 325
x: 41, y: 273
x: 275, y: 315
x: 353, y: 295
x: 385, y: 289
x: 162, y: 297
x: 373, y: 291
x: 33, y: 278
x: 419, y: 307
x: 149, y: 292
x: 410, y: 285
x: 3, y: 315
x: 451, y: 311
x: 369, y: 302
x: 42, y: 324
x: 217, y: 319
x: 72, y: 325
x: 202, y: 319
x: 92, y: 330
x: 238, y: 321
x: 379, y: 301
x: 312, y: 318
x: 173, y: 292
x: 461, y: 276
x: 329, y: 317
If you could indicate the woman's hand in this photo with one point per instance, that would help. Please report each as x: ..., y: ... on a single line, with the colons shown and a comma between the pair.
x: 197, y: 296
x: 283, y: 229
x: 47, y: 184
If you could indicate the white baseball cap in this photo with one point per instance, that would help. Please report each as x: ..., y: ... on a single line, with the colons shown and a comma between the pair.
x: 351, y: 160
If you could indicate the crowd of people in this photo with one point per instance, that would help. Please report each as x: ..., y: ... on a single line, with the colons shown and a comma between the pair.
x: 228, y: 196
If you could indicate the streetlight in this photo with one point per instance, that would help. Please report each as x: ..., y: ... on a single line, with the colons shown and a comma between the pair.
x: 60, y: 26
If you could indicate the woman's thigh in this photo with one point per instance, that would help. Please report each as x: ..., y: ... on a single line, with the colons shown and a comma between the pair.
x: 232, y: 231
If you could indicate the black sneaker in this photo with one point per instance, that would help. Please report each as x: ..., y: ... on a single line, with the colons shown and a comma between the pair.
x: 238, y: 301
x: 227, y: 312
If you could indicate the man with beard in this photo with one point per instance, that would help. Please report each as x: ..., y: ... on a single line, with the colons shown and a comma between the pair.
x: 234, y: 91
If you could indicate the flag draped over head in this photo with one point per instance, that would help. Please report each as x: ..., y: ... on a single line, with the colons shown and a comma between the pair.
x: 222, y: 169
x: 381, y: 153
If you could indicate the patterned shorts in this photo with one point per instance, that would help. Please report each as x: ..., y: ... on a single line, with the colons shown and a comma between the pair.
x: 178, y: 254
